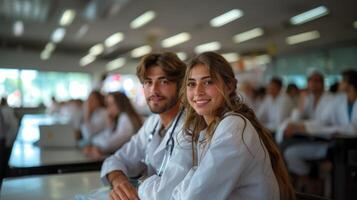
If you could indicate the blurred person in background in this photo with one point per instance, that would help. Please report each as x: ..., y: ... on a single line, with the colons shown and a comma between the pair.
x: 293, y: 93
x: 276, y: 106
x: 8, y: 131
x: 122, y: 122
x: 340, y: 118
x: 94, y: 117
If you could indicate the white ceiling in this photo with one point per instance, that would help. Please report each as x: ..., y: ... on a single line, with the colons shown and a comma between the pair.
x: 105, y: 17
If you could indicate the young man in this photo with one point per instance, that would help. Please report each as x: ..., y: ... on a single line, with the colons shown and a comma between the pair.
x: 161, y: 76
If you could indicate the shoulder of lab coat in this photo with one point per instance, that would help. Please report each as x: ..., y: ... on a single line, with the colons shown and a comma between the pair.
x: 156, y: 187
x: 334, y: 119
x: 109, y: 141
x: 232, y: 167
x: 130, y: 157
x: 97, y: 123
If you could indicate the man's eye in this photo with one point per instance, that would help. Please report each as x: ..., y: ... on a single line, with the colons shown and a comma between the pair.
x: 164, y: 82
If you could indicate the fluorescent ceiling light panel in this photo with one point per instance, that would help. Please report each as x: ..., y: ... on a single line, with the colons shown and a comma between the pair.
x: 82, y: 31
x: 86, y: 60
x: 142, y: 19
x: 114, y: 39
x: 45, y: 55
x: 248, y: 35
x: 309, y: 15
x: 67, y: 17
x: 182, y: 55
x: 355, y: 24
x: 50, y: 47
x: 211, y: 46
x: 18, y: 28
x: 302, y: 37
x: 175, y: 40
x: 96, y: 50
x: 115, y: 64
x: 140, y: 51
x: 231, y: 57
x: 58, y: 35
x: 226, y: 18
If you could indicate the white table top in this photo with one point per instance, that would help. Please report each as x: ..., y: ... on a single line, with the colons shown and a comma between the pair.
x: 62, y: 186
x: 26, y: 154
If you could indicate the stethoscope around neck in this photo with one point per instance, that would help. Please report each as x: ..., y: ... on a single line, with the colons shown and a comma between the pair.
x: 170, y: 144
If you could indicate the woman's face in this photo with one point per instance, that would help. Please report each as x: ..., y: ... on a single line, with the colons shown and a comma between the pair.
x: 203, y: 92
x: 112, y: 108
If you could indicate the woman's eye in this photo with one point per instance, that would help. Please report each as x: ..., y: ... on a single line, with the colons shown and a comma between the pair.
x: 208, y: 82
x: 190, y: 84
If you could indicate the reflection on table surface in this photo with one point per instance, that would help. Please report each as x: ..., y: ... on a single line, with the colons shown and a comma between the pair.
x: 62, y: 186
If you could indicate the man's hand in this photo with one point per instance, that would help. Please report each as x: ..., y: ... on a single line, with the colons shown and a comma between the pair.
x: 294, y: 128
x: 122, y: 188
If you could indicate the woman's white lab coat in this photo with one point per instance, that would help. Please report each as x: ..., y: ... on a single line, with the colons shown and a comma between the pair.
x: 96, y: 124
x: 230, y: 167
x: 109, y: 140
x: 143, y: 154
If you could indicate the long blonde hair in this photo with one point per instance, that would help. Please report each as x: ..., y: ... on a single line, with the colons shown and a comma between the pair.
x: 221, y: 70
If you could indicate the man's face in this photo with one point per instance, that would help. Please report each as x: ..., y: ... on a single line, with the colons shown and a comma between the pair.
x: 160, y: 93
x: 316, y: 84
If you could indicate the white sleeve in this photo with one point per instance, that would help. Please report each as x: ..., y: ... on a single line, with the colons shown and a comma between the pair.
x: 156, y: 187
x: 97, y: 123
x: 110, y: 141
x: 226, y: 161
x: 130, y: 158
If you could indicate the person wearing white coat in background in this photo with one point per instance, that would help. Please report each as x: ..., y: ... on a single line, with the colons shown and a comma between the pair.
x: 276, y: 106
x: 161, y: 76
x: 94, y: 117
x: 122, y: 123
x: 313, y: 106
x: 232, y: 153
x: 340, y: 118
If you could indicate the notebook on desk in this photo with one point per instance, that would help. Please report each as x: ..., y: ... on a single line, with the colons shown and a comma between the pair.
x: 57, y: 135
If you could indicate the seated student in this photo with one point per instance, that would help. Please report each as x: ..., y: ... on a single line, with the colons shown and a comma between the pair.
x: 340, y: 117
x: 233, y: 156
x: 123, y: 122
x: 276, y: 106
x: 94, y: 117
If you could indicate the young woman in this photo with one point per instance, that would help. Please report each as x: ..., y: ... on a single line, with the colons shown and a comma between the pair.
x: 234, y: 157
x: 122, y: 123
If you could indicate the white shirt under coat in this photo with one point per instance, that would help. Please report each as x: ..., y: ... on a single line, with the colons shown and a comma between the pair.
x: 110, y: 140
x: 230, y: 167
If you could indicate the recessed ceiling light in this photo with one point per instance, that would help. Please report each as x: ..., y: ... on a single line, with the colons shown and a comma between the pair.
x: 115, y: 64
x: 226, y: 18
x: 211, y: 46
x: 86, y: 60
x: 142, y: 19
x: 302, y: 37
x: 231, y: 57
x: 248, y: 35
x: 175, y: 40
x: 140, y: 51
x: 355, y: 24
x: 114, y: 39
x: 96, y: 50
x: 309, y: 15
x: 45, y: 55
x: 182, y: 55
x: 58, y: 35
x: 67, y: 17
x: 18, y: 28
